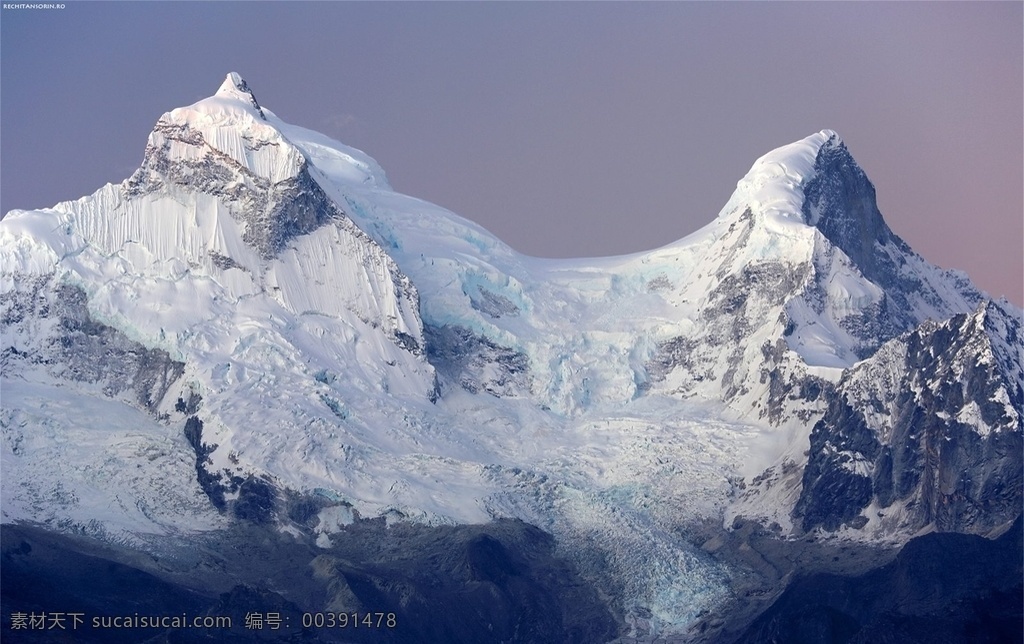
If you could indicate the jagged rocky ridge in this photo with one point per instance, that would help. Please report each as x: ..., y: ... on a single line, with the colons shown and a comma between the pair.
x: 926, y: 432
x: 840, y: 203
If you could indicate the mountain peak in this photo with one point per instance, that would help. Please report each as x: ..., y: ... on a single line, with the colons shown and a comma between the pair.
x: 831, y: 137
x: 235, y: 87
x: 799, y: 156
x: 815, y: 182
x: 774, y: 185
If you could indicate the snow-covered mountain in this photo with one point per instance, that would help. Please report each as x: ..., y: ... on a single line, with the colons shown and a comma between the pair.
x: 255, y: 326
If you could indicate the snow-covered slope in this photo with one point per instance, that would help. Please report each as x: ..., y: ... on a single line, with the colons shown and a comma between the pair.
x: 299, y: 335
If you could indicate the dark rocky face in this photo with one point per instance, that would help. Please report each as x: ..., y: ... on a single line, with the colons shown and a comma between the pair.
x: 82, y: 349
x: 840, y: 202
x: 476, y: 363
x: 944, y: 440
x: 273, y: 213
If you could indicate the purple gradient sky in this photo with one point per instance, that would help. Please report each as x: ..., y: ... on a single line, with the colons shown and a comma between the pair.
x: 567, y: 129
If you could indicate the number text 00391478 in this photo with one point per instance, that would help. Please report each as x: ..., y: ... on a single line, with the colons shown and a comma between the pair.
x: 349, y: 620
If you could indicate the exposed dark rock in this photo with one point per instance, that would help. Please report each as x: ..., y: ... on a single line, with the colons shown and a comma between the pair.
x: 408, y: 343
x: 273, y: 213
x: 256, y: 502
x: 257, y: 497
x: 246, y: 91
x: 209, y: 481
x: 190, y: 406
x: 833, y: 491
x: 840, y: 202
x: 492, y: 304
x: 677, y: 353
x: 949, y: 447
x: 86, y: 350
x: 302, y: 509
x: 223, y: 262
x: 476, y: 363
x: 735, y: 307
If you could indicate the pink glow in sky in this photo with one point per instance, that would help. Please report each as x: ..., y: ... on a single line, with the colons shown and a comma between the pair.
x: 567, y: 129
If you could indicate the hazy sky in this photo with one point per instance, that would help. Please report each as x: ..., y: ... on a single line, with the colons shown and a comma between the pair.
x: 567, y: 129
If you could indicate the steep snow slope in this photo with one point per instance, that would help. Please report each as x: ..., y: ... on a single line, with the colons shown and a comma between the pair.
x: 310, y: 339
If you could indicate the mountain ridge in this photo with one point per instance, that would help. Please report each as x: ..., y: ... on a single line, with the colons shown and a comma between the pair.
x: 348, y: 353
